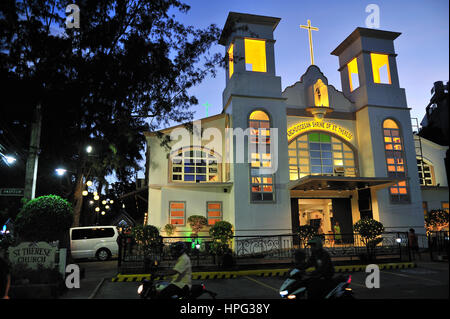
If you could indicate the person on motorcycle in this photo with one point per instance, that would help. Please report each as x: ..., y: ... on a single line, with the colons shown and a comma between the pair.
x: 321, y: 278
x: 182, y: 273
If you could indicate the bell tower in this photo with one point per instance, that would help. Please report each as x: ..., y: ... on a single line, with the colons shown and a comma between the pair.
x: 369, y: 77
x: 253, y: 102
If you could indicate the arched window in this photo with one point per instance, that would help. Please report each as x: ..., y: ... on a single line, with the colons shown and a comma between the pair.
x: 195, y: 165
x: 395, y: 160
x: 320, y: 154
x: 262, y: 188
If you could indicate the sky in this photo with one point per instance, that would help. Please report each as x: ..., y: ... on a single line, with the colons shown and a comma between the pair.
x: 422, y: 48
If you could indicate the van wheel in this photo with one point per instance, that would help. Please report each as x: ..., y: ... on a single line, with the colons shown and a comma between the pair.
x: 103, y: 254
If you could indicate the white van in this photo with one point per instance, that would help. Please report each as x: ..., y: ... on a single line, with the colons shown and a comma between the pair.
x: 94, y: 241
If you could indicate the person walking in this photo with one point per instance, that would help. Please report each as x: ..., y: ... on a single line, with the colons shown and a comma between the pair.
x: 413, y: 243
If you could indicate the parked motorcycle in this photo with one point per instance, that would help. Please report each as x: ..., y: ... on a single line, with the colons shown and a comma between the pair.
x: 295, y: 286
x: 149, y: 288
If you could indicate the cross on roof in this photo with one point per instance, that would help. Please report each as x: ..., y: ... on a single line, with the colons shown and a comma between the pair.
x: 310, y: 28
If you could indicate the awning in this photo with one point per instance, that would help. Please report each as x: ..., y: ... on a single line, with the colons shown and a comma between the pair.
x: 340, y: 183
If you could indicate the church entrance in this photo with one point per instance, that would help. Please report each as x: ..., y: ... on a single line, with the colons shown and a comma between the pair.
x: 331, y: 217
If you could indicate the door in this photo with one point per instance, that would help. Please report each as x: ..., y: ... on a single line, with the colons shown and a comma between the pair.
x: 342, y: 213
x: 79, y: 243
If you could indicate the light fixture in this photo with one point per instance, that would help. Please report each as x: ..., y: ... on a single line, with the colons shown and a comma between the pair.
x: 9, y: 159
x: 96, y: 197
x: 84, y: 193
x: 107, y: 206
x: 95, y: 193
x: 89, y: 149
x: 89, y: 183
x: 111, y: 201
x: 398, y: 240
x: 91, y: 202
x: 97, y: 209
x: 103, y: 212
x: 104, y: 202
x: 60, y: 171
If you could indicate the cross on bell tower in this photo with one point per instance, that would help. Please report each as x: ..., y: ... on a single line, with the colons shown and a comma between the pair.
x: 310, y: 28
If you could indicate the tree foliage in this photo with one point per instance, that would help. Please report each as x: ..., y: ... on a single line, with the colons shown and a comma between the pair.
x: 369, y: 229
x: 126, y: 70
x: 436, y: 220
x: 222, y: 234
x: 306, y: 232
x: 46, y: 218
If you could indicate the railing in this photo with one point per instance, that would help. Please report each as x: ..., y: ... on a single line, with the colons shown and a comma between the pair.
x: 438, y: 245
x: 343, y: 248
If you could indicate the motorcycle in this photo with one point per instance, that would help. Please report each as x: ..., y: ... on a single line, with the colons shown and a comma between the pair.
x: 149, y: 288
x: 295, y: 286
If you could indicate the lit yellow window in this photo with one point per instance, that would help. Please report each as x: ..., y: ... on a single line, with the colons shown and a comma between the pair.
x: 353, y: 74
x: 320, y: 94
x: 380, y: 68
x: 255, y: 55
x: 230, y: 60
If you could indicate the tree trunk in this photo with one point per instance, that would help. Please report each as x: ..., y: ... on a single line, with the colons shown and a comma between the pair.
x: 78, y: 200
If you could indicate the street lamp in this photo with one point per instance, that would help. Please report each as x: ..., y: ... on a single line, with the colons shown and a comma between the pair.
x: 60, y: 171
x: 96, y: 197
x: 89, y: 183
x: 89, y: 149
x: 8, y: 159
x: 85, y: 193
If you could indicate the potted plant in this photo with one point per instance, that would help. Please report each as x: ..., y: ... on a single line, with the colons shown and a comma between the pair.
x: 197, y: 222
x: 369, y: 229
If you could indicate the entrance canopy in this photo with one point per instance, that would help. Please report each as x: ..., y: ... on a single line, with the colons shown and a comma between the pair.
x: 339, y: 183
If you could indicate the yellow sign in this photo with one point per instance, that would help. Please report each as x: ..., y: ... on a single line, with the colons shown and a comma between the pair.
x: 303, y: 127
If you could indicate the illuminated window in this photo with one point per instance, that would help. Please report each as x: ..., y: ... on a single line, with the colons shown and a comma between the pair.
x: 353, y: 74
x: 426, y: 174
x: 255, y: 55
x: 395, y: 160
x: 380, y: 68
x: 445, y: 206
x: 230, y: 60
x: 262, y: 188
x: 320, y: 154
x: 177, y: 213
x: 425, y: 208
x: 214, y: 212
x: 320, y: 94
x: 195, y: 166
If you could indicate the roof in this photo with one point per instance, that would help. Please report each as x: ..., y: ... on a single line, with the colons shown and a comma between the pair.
x: 235, y: 17
x: 364, y: 32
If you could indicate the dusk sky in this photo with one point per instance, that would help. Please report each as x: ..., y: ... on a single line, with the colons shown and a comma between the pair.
x: 422, y: 48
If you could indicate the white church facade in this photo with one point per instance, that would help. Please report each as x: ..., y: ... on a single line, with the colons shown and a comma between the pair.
x: 274, y: 160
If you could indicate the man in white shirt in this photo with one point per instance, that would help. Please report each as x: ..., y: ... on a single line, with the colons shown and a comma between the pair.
x: 182, y: 273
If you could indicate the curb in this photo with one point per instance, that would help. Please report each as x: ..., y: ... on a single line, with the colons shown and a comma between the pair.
x: 257, y: 272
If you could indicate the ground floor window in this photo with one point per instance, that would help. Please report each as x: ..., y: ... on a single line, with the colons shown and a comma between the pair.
x: 177, y: 213
x: 214, y: 212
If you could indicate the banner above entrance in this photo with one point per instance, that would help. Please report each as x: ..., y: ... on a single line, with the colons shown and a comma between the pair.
x: 303, y: 127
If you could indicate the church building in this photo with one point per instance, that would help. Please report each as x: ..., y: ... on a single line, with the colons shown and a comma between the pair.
x: 274, y: 160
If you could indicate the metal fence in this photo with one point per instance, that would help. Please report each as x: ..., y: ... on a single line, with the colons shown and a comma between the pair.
x: 438, y: 245
x: 276, y: 249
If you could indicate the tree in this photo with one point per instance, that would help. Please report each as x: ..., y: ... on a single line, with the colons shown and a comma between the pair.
x: 305, y: 233
x: 369, y: 229
x: 46, y: 218
x: 221, y: 233
x: 436, y: 220
x: 126, y: 70
x: 147, y: 237
x: 197, y: 222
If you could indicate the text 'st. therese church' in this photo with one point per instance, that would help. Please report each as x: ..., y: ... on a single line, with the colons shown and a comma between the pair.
x: 339, y: 156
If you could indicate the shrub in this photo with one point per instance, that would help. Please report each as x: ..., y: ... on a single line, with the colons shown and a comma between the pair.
x: 197, y: 222
x: 46, y: 218
x: 169, y: 229
x: 369, y: 229
x: 221, y: 233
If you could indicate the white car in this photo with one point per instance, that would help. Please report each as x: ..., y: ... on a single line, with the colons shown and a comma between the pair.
x: 94, y: 241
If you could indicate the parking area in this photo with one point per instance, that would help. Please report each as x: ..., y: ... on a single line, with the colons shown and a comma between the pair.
x: 428, y: 280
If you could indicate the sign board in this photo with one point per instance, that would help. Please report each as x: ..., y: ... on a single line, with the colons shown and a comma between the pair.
x: 33, y: 254
x: 302, y: 127
x: 11, y: 191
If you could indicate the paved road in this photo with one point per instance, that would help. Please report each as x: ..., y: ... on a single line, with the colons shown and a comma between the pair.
x: 428, y: 280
